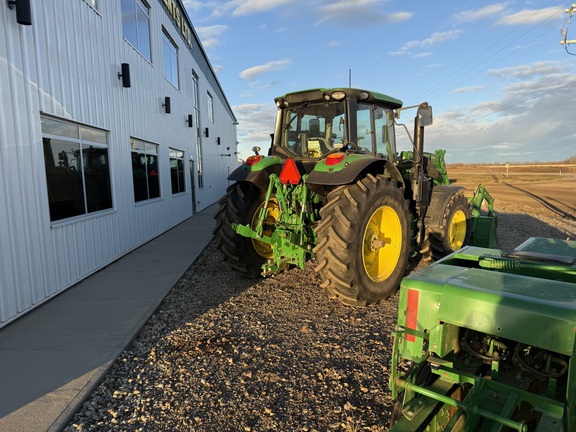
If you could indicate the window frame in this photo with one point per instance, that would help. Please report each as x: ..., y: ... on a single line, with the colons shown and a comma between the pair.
x: 179, y: 156
x: 170, y: 48
x: 148, y: 149
x: 143, y: 6
x: 95, y: 181
x: 210, y: 103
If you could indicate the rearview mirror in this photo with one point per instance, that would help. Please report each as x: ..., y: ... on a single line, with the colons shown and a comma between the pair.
x: 425, y: 114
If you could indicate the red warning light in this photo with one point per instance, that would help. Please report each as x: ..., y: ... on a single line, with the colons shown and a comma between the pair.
x: 334, y: 158
x: 290, y: 173
x: 253, y: 160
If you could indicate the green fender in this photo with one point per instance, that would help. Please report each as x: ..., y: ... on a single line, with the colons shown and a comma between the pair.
x: 348, y: 170
x: 259, y: 173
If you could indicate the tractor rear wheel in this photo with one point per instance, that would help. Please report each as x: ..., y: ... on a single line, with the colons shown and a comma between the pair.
x: 454, y: 232
x: 241, y: 205
x: 364, y: 241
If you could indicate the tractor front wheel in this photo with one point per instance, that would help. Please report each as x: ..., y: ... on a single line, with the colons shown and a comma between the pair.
x: 364, y: 241
x: 241, y: 205
x: 454, y: 232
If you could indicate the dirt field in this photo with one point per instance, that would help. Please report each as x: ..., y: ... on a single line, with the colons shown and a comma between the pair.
x: 557, y: 196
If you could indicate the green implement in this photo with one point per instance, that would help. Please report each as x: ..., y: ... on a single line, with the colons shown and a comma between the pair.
x: 488, y: 339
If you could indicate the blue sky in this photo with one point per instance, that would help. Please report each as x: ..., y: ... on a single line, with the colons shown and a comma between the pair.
x: 501, y: 85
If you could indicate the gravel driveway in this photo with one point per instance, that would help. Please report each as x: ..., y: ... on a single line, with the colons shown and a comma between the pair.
x: 224, y: 353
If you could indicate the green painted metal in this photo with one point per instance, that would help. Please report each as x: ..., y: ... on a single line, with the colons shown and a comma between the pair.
x: 483, y: 225
x: 265, y: 162
x: 438, y: 163
x: 499, y: 327
x: 293, y: 238
x: 318, y: 94
x: 349, y: 159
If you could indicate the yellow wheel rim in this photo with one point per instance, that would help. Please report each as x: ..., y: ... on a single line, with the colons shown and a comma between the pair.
x: 457, y: 230
x: 264, y: 249
x: 382, y: 244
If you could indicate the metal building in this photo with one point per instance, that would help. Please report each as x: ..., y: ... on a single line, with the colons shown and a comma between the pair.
x: 113, y: 129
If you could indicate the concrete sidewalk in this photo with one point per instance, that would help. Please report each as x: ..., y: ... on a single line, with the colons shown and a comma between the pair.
x: 53, y: 357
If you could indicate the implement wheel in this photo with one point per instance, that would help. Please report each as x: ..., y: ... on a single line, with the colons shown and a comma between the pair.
x: 363, y: 241
x: 454, y: 232
x: 241, y: 205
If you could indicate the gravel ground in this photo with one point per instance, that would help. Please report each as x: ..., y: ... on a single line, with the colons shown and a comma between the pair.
x: 224, y: 353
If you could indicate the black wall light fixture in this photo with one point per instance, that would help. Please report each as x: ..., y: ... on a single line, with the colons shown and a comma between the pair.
x: 189, y: 120
x: 218, y: 140
x: 125, y: 75
x: 166, y: 105
x: 206, y: 132
x: 23, y: 11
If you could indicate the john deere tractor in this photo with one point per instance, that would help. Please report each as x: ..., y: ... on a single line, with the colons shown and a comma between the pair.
x: 334, y: 187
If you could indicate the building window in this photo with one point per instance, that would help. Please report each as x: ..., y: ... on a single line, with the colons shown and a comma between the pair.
x: 177, y: 171
x: 170, y: 59
x: 77, y: 169
x: 136, y: 25
x: 199, y: 157
x: 210, y: 108
x: 145, y: 175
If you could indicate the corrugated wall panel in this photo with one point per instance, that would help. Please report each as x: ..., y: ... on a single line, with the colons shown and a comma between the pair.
x: 66, y: 65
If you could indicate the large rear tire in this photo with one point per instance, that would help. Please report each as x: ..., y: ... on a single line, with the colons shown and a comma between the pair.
x: 364, y: 241
x: 454, y: 233
x: 241, y: 205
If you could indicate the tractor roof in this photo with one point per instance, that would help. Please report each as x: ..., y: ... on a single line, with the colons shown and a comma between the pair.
x: 322, y: 94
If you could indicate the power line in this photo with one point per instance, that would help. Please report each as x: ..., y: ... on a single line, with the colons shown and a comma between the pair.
x: 431, y: 95
x: 436, y: 89
x: 505, y: 108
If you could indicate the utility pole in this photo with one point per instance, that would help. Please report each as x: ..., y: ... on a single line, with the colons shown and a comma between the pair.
x: 565, y: 41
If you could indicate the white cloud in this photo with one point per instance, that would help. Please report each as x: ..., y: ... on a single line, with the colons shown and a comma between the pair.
x: 192, y: 4
x: 469, y: 89
x: 255, y: 71
x: 528, y: 71
x: 360, y: 12
x: 530, y: 16
x: 238, y: 8
x: 255, y: 124
x: 212, y: 35
x: 472, y: 15
x: 434, y: 39
x: 528, y: 121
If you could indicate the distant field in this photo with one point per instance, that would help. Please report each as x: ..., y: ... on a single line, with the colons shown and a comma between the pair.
x: 472, y: 173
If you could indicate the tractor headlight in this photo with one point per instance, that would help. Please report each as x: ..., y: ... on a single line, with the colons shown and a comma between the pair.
x: 338, y: 95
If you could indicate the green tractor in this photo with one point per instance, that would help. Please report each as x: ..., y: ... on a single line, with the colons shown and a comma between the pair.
x: 485, y: 341
x: 334, y: 187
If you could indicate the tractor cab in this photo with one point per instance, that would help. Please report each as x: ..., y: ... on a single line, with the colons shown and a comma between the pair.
x: 314, y: 123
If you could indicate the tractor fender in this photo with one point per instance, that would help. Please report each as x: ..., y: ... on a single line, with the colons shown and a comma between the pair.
x: 349, y: 174
x: 259, y: 177
x: 438, y: 201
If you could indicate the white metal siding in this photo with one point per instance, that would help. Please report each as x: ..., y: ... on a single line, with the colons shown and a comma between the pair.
x: 66, y: 65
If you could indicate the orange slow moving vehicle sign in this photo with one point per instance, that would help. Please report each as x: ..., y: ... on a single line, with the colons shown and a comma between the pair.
x: 290, y: 174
